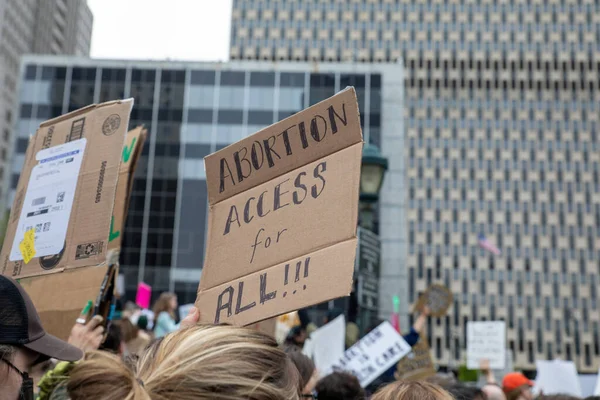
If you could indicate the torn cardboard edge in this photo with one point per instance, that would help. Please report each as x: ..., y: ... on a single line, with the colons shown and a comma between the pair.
x: 273, y: 140
x: 271, y: 291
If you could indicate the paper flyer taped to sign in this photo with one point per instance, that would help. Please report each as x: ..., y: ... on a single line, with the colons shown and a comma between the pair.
x: 283, y: 206
x: 374, y: 354
x: 486, y: 340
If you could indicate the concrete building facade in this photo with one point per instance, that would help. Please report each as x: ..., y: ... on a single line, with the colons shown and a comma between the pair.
x: 501, y: 112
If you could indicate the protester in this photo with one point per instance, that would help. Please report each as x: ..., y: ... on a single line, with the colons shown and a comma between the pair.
x: 462, y: 392
x: 308, y: 374
x: 517, y: 387
x: 201, y: 362
x: 340, y: 386
x: 164, y: 314
x: 24, y: 343
x: 296, y: 337
x: 417, y: 390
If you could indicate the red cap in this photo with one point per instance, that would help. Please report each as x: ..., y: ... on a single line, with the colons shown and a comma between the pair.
x: 515, y: 380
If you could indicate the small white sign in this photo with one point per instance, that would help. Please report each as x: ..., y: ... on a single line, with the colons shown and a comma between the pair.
x: 326, y: 344
x: 49, y: 198
x: 486, y: 341
x: 374, y: 354
x: 557, y: 377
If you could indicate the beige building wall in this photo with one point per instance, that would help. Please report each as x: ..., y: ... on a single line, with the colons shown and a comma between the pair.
x: 501, y: 113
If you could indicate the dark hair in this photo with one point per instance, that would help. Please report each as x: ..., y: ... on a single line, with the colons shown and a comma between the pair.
x: 304, y: 365
x: 340, y: 386
x: 592, y: 398
x: 142, y: 322
x: 563, y: 397
x: 113, y: 340
x: 462, y: 392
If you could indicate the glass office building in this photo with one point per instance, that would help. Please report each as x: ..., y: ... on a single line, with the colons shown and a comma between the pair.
x: 192, y: 110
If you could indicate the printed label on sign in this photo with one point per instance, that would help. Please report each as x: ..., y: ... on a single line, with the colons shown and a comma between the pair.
x: 27, y: 246
x: 49, y: 199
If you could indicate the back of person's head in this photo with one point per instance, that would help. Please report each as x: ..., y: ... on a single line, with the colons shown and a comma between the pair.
x: 417, y: 390
x: 203, y: 362
x: 304, y: 365
x: 142, y: 322
x: 340, y: 386
x: 494, y: 392
x: 129, y: 331
x: 114, y: 339
x: 163, y: 304
x: 462, y: 392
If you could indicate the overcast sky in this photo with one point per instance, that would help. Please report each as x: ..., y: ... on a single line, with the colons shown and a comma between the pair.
x: 161, y: 29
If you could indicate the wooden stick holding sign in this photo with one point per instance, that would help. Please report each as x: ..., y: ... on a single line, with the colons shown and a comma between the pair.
x: 283, y: 207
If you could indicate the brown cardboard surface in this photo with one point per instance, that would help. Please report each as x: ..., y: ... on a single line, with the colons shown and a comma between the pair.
x: 416, y: 365
x: 60, y: 298
x: 325, y: 215
x: 312, y: 278
x: 307, y: 136
x: 134, y: 143
x: 267, y: 326
x: 281, y: 202
x: 438, y: 298
x: 104, y: 127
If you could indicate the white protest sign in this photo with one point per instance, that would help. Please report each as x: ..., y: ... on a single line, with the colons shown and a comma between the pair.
x: 326, y: 344
x: 597, y: 389
x: 374, y: 354
x: 557, y: 377
x: 486, y: 341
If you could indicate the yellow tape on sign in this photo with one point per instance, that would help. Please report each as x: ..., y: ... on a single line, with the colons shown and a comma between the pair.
x: 27, y: 246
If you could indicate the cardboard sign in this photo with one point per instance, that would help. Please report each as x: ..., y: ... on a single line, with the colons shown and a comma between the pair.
x: 134, y: 143
x: 268, y: 326
x: 486, y: 341
x: 283, y: 213
x: 372, y: 355
x: 66, y: 191
x: 417, y: 364
x: 143, y: 295
x: 438, y: 298
x: 326, y: 345
x: 70, y: 214
x: 557, y: 377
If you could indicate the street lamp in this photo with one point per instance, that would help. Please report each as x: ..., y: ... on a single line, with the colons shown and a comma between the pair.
x: 373, y: 167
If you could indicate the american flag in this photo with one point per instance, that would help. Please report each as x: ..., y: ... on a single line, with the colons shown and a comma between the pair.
x: 487, y: 245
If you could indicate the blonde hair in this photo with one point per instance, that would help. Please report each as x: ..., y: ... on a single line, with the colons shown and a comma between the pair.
x: 163, y: 304
x: 203, y: 362
x: 417, y: 390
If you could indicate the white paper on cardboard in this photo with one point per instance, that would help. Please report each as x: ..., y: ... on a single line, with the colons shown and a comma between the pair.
x: 486, y: 341
x: 557, y: 377
x: 374, y: 354
x: 49, y: 198
x: 326, y: 344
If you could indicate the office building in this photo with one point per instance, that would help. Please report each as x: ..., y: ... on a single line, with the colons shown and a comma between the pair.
x: 192, y: 110
x: 41, y: 27
x: 501, y: 110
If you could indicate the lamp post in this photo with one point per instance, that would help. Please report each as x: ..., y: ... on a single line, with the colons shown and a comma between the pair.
x: 373, y: 169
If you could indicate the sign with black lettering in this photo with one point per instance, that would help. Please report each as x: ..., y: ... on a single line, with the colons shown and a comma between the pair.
x: 374, y: 354
x: 438, y: 298
x: 283, y: 206
x: 486, y: 340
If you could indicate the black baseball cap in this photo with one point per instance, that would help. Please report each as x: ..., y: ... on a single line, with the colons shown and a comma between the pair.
x: 20, y: 324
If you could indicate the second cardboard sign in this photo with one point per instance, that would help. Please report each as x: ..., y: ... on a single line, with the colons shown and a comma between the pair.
x: 283, y: 214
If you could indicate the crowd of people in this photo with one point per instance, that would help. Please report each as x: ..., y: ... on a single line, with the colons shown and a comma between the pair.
x: 190, y: 361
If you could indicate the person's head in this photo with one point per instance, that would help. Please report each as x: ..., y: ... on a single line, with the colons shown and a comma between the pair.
x: 202, y: 362
x: 462, y: 392
x: 340, y: 386
x: 23, y: 342
x: 167, y: 302
x: 516, y: 386
x: 113, y: 342
x: 296, y: 336
x: 142, y: 323
x: 494, y: 392
x: 129, y: 331
x: 417, y: 390
x: 561, y: 397
x: 308, y: 374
